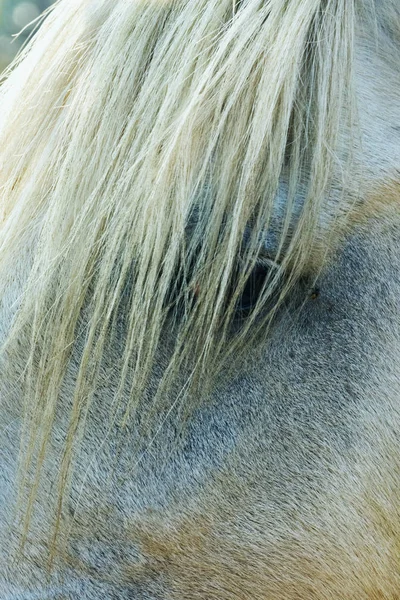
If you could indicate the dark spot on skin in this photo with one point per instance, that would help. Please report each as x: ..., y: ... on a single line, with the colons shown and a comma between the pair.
x: 314, y: 294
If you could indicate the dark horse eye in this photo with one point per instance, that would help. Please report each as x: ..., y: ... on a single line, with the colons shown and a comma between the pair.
x: 252, y: 290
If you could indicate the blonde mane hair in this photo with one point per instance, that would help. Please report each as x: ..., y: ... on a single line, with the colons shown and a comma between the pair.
x: 142, y: 146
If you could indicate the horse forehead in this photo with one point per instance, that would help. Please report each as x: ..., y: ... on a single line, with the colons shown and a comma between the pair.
x: 375, y: 156
x: 377, y: 85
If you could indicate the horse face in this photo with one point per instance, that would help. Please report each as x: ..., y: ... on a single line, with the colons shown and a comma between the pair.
x: 282, y: 483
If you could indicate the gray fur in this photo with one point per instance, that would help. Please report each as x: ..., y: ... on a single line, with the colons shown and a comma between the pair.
x: 282, y: 460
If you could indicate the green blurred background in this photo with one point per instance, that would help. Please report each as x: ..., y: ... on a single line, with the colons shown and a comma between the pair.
x: 14, y: 16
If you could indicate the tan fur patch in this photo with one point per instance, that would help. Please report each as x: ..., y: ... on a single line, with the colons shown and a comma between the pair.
x: 381, y: 204
x: 383, y: 200
x: 228, y: 546
x: 198, y: 563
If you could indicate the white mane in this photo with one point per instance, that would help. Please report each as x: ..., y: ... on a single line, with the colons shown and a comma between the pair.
x: 143, y: 146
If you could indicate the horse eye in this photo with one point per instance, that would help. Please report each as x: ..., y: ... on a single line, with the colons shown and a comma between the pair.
x: 252, y: 290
